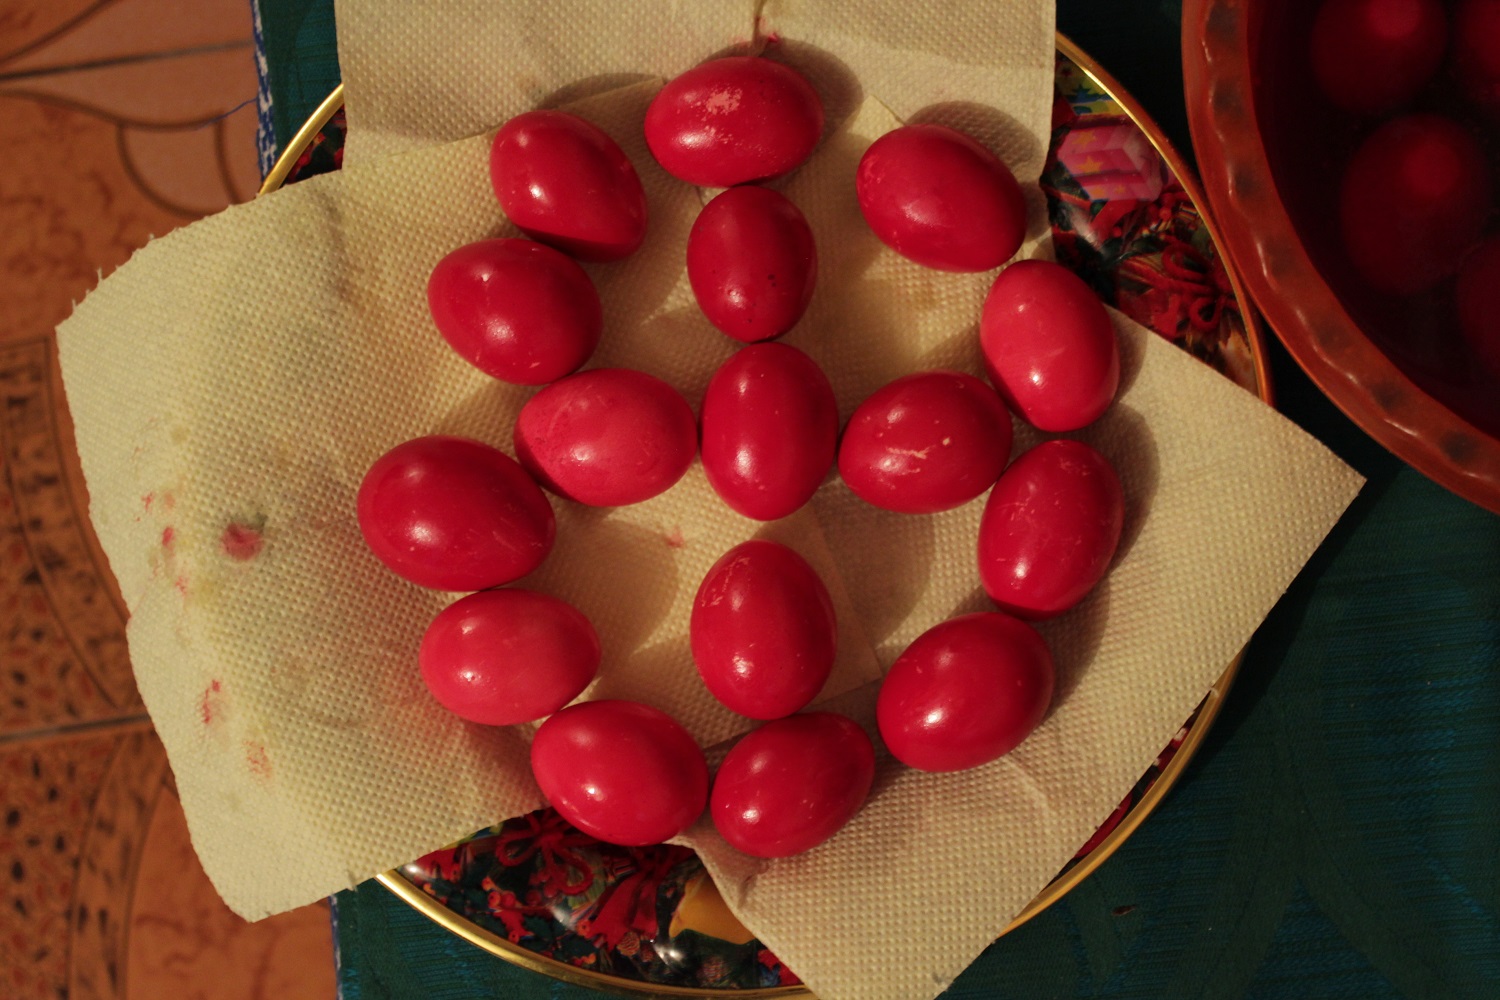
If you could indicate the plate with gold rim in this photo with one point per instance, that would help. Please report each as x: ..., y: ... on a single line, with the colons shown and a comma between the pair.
x: 1129, y: 217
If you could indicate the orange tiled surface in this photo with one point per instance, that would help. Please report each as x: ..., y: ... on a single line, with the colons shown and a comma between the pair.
x: 121, y: 119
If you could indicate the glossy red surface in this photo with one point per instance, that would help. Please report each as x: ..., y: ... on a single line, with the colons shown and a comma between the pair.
x: 1049, y: 346
x: 454, y: 514
x: 503, y: 657
x: 752, y: 263
x: 733, y: 120
x: 565, y: 183
x: 926, y: 442
x: 791, y: 784
x: 941, y: 198
x: 607, y: 437
x: 966, y: 692
x: 770, y: 430
x: 763, y: 631
x: 1413, y: 202
x: 1372, y: 56
x: 1050, y: 529
x: 620, y: 771
x: 516, y: 309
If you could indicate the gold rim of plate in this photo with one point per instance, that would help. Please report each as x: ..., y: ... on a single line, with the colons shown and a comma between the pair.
x: 304, y: 137
x: 1208, y: 710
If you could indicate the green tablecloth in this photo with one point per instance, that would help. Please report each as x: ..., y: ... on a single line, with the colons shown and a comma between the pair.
x: 1337, y: 836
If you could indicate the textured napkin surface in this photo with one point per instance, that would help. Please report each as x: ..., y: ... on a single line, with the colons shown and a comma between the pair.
x: 231, y: 384
x: 416, y: 74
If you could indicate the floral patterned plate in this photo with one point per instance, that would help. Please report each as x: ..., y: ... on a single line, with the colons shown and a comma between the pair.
x: 648, y: 921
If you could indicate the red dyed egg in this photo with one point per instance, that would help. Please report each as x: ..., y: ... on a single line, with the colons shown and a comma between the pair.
x: 607, y: 437
x: 1476, y: 52
x: 940, y: 198
x: 1049, y: 346
x: 752, y: 263
x: 1414, y: 199
x: 515, y: 309
x: 454, y: 514
x: 503, y: 657
x: 966, y: 692
x: 770, y: 430
x: 622, y: 772
x: 791, y: 784
x: 565, y: 183
x: 733, y: 120
x: 1372, y: 56
x: 1478, y: 317
x: 926, y: 442
x: 1050, y: 528
x: 762, y: 630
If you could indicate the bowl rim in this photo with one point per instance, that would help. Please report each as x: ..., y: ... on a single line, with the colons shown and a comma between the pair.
x: 1289, y: 290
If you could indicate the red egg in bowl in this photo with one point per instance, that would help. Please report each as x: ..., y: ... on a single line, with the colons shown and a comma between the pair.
x: 1355, y: 229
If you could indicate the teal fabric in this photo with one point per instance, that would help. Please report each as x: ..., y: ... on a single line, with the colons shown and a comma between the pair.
x: 1338, y: 835
x: 301, y: 61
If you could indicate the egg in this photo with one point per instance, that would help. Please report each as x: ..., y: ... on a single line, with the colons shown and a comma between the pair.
x: 1049, y: 346
x: 1374, y: 56
x: 926, y: 442
x: 503, y: 657
x: 770, y: 429
x: 1413, y: 200
x: 733, y: 120
x: 517, y: 310
x: 966, y: 692
x: 752, y: 263
x: 789, y: 785
x: 622, y: 772
x: 762, y: 630
x: 1050, y: 529
x: 566, y: 183
x: 607, y: 437
x: 939, y: 197
x: 454, y: 514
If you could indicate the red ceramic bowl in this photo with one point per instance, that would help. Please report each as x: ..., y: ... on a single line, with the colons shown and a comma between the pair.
x: 1272, y: 150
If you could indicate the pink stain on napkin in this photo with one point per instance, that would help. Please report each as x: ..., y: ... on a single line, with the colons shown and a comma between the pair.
x: 210, y: 706
x: 241, y: 542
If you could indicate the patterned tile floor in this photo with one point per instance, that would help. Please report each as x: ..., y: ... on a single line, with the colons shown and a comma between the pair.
x: 121, y: 119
